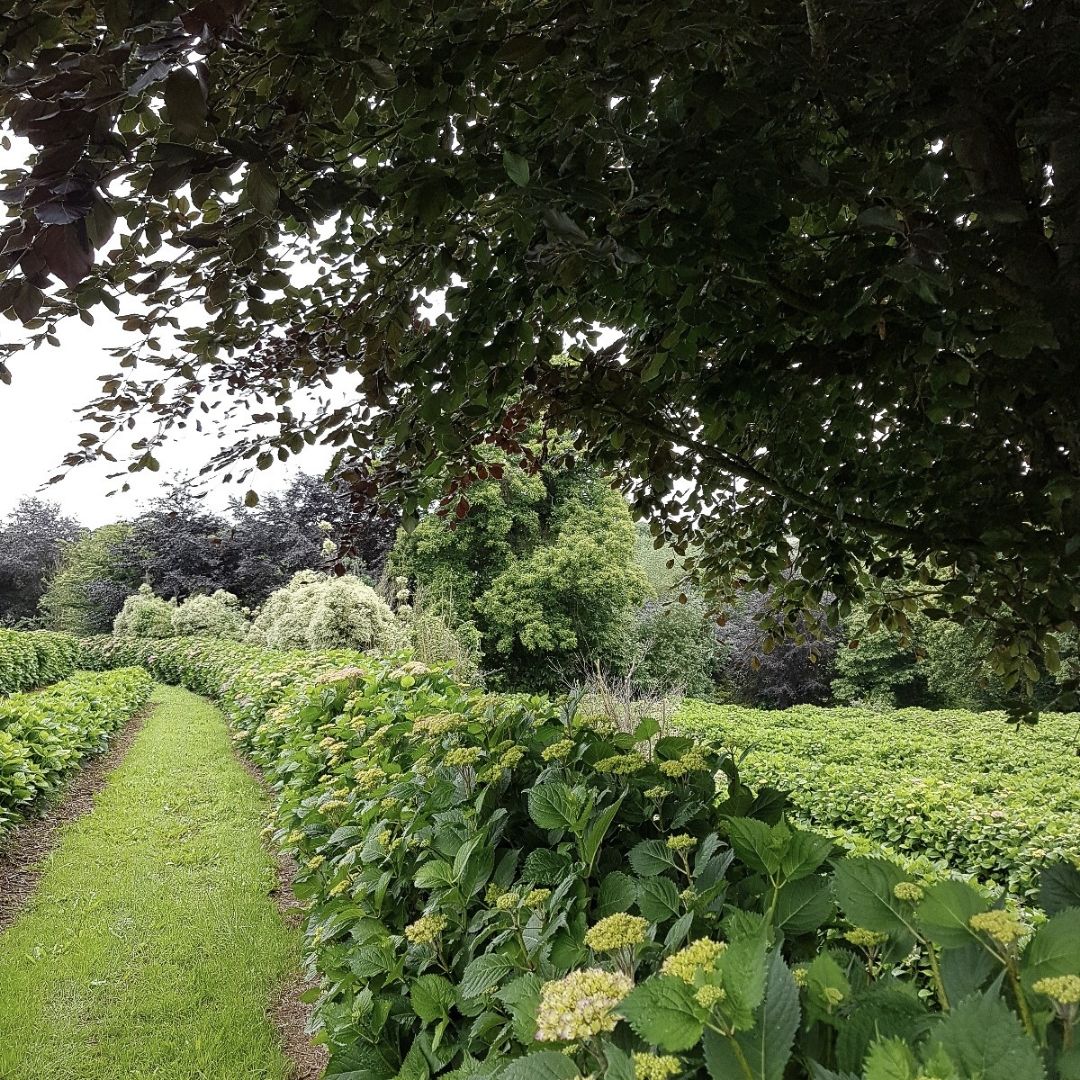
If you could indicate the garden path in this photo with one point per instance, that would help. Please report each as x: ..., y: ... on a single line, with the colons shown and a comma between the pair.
x: 153, y: 947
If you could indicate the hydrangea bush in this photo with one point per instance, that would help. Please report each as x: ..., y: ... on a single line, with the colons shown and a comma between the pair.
x: 44, y: 735
x: 145, y: 615
x: 317, y: 611
x: 33, y: 658
x: 218, y: 615
x: 498, y: 888
x: 958, y: 790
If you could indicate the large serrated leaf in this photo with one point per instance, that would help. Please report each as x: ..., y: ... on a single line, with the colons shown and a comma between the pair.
x: 890, y: 1059
x: 658, y: 899
x: 555, y: 805
x: 983, y: 1037
x: 1055, y: 948
x: 545, y: 1065
x: 804, y: 853
x: 804, y: 905
x: 431, y: 997
x: 483, y: 973
x: 662, y: 1010
x: 882, y: 1012
x: 766, y: 1047
x: 522, y: 998
x: 945, y: 912
x: 618, y: 892
x: 864, y: 889
x: 755, y: 844
x: 651, y: 857
x: 1059, y: 887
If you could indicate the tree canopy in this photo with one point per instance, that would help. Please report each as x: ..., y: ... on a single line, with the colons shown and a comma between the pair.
x: 836, y: 244
x: 543, y: 565
x: 33, y: 538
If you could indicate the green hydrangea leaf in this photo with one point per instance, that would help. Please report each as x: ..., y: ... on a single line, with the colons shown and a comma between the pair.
x: 431, y: 997
x: 756, y: 845
x: 522, y: 998
x: 1055, y: 948
x: 618, y: 892
x: 890, y: 1059
x: 864, y: 888
x: 1059, y: 887
x: 882, y: 1012
x: 766, y: 1046
x: 658, y: 899
x: 484, y: 973
x: 543, y: 1065
x: 805, y: 852
x: 804, y: 905
x: 983, y: 1037
x: 945, y: 911
x: 662, y: 1010
x: 651, y: 858
x: 555, y: 805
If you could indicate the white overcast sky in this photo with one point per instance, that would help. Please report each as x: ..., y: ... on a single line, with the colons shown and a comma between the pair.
x: 39, y: 423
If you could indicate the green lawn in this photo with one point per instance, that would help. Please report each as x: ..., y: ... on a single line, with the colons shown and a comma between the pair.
x: 152, y: 948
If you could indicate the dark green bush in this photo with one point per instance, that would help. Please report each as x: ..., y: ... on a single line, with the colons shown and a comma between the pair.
x: 677, y: 648
x: 542, y: 564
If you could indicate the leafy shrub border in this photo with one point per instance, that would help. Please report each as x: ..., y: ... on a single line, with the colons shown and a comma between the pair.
x: 499, y: 890
x: 34, y: 658
x: 958, y: 789
x: 43, y: 736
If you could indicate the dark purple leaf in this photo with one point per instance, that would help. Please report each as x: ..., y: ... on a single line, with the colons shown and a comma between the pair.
x: 66, y: 251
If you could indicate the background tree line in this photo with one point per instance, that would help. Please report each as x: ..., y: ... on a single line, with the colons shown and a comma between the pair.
x: 54, y: 572
x: 543, y: 576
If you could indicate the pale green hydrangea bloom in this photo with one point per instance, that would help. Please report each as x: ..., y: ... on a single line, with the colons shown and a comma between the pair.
x: 580, y: 1005
x: 616, y: 932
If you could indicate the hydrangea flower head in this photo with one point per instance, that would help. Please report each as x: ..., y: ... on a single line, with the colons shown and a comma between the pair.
x: 618, y: 931
x: 681, y: 842
x: 558, y: 750
x: 700, y: 955
x: 1004, y: 928
x: 909, y: 891
x: 656, y: 1066
x: 426, y: 929
x: 708, y: 996
x: 462, y: 756
x: 622, y: 764
x: 865, y: 939
x: 1063, y: 989
x: 580, y: 1005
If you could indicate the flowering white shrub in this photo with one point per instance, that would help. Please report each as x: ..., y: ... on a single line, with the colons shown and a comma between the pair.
x: 218, y: 615
x: 315, y: 611
x: 145, y: 615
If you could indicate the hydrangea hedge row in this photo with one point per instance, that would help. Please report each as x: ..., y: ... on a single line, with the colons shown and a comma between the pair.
x: 33, y: 658
x: 498, y: 888
x: 963, y: 790
x: 43, y: 736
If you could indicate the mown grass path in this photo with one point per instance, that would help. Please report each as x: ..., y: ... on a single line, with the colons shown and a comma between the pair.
x: 153, y: 948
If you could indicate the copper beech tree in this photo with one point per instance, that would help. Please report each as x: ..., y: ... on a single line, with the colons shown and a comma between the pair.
x: 833, y: 247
